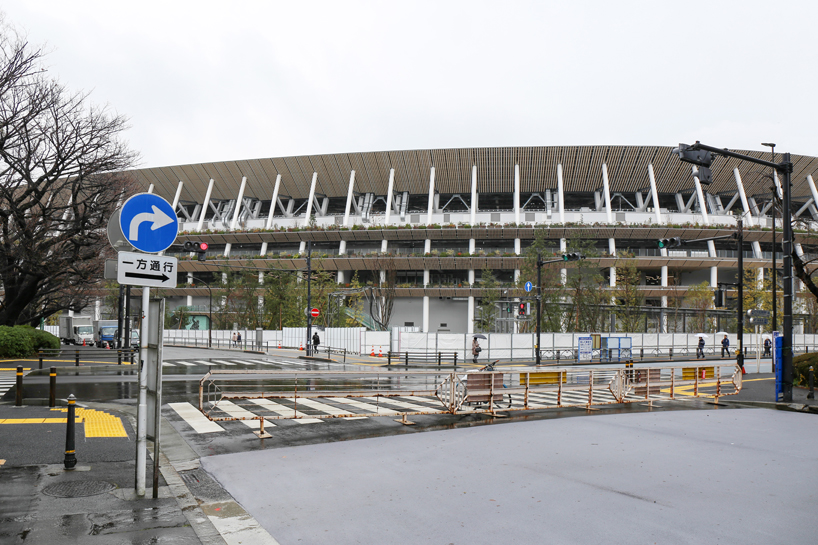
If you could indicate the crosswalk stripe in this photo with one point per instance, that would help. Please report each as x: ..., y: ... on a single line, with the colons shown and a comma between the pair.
x: 283, y: 410
x: 262, y: 362
x: 194, y: 418
x: 203, y: 362
x: 166, y: 364
x: 324, y: 408
x: 240, y: 412
x: 382, y: 411
x: 185, y: 363
x: 243, y: 362
x: 397, y: 403
x: 223, y: 362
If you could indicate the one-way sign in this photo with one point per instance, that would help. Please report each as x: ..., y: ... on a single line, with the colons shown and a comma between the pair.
x: 146, y: 270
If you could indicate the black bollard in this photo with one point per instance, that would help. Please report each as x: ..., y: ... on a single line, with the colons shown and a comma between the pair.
x: 119, y: 357
x: 70, y: 455
x: 40, y: 354
x: 18, y: 400
x: 52, y: 387
x: 77, y: 358
x: 388, y: 358
x: 406, y: 361
x: 455, y: 359
x: 811, y: 394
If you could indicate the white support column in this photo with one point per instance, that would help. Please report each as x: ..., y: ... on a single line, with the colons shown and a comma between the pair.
x: 269, y: 223
x: 474, y: 206
x: 97, y: 304
x: 711, y: 246
x: 189, y: 300
x: 654, y: 194
x: 303, y: 245
x: 427, y: 247
x: 177, y: 196
x: 749, y: 220
x: 812, y: 188
x: 388, y: 205
x: 150, y: 188
x: 517, y: 248
x: 663, y: 325
x: 609, y: 212
x: 342, y: 248
x: 205, y: 206
x: 234, y: 221
x: 563, y: 242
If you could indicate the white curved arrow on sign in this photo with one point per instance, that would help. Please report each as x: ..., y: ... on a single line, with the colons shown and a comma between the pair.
x: 159, y: 219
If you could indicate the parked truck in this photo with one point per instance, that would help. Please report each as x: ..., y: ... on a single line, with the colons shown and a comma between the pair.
x: 105, y: 333
x: 76, y: 330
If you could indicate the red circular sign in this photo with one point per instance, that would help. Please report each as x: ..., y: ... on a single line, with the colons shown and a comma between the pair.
x: 314, y: 313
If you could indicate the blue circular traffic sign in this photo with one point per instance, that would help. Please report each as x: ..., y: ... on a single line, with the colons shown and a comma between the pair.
x: 148, y: 222
x: 529, y: 286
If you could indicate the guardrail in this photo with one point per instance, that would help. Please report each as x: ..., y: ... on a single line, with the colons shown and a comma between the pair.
x: 302, y: 394
x: 123, y: 354
x: 440, y: 357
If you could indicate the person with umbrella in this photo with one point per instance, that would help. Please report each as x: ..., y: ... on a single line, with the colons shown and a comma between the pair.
x: 725, y: 346
x: 475, y: 346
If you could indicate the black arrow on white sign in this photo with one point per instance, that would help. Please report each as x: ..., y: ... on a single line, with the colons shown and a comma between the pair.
x: 163, y: 278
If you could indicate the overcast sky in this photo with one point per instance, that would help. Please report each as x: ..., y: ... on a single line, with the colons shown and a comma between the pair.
x: 210, y: 81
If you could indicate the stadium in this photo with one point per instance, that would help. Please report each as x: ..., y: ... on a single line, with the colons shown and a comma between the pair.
x: 443, y: 240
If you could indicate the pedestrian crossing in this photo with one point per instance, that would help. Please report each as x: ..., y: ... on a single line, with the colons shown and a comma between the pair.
x: 238, y: 363
x: 8, y: 378
x: 283, y: 412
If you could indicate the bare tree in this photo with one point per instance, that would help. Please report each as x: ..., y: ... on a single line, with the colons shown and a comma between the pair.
x: 60, y: 180
x: 382, y: 298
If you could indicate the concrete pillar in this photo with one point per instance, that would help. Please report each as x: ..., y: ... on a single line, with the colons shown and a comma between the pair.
x: 388, y: 205
x: 273, y: 203
x: 205, y: 206
x: 563, y: 242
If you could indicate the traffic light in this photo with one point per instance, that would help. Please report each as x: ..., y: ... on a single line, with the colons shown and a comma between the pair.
x: 572, y: 257
x: 521, y: 312
x: 508, y: 309
x: 718, y: 299
x: 199, y: 247
x: 670, y: 242
x: 697, y: 157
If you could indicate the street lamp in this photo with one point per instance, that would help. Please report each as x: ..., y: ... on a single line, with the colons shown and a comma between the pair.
x: 774, y: 192
x: 209, y: 312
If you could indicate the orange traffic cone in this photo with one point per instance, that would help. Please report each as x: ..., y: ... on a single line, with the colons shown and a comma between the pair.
x: 279, y: 344
x: 108, y: 346
x: 83, y: 342
x: 301, y: 346
x: 380, y: 351
x: 373, y: 351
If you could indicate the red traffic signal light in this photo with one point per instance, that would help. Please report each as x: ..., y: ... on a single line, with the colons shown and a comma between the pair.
x: 203, y: 246
x: 521, y: 311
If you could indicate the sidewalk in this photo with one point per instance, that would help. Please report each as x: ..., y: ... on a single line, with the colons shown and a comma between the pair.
x: 95, y: 503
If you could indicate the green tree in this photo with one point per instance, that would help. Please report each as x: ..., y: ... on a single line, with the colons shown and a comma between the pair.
x: 630, y: 299
x: 699, y: 298
x: 491, y: 296
x: 553, y: 315
x: 589, y: 295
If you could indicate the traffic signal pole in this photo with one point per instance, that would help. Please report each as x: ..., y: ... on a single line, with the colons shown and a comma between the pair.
x: 784, y: 167
x: 539, y: 307
x: 740, y: 305
x: 309, y: 299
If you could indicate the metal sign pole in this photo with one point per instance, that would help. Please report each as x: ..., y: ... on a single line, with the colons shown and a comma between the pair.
x: 142, y: 408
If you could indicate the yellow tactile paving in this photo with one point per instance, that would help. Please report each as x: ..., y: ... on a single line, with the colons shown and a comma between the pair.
x: 97, y: 423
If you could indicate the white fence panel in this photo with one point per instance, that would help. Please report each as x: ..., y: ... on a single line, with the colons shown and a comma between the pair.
x: 523, y: 345
x: 499, y: 346
x: 374, y: 341
x: 455, y: 342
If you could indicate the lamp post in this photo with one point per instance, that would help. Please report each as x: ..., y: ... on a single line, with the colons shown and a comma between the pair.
x: 774, y: 192
x: 209, y: 312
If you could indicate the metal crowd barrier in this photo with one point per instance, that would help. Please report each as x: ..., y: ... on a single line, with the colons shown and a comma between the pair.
x: 286, y: 394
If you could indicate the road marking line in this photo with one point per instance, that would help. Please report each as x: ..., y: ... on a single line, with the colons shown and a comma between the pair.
x: 223, y: 362
x: 379, y: 411
x: 194, y: 418
x: 397, y: 403
x: 185, y: 363
x: 283, y: 410
x: 324, y: 408
x: 203, y: 362
x: 240, y: 412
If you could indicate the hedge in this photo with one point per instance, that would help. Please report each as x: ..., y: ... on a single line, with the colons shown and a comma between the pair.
x: 23, y: 341
x: 800, y: 372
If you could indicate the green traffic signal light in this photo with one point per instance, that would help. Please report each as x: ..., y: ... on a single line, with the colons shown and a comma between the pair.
x: 670, y: 242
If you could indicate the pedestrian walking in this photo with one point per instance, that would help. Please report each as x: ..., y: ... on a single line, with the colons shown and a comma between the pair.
x: 725, y: 346
x: 768, y: 344
x: 475, y: 349
x: 315, y: 342
x: 234, y: 339
x: 238, y: 338
x: 700, y: 349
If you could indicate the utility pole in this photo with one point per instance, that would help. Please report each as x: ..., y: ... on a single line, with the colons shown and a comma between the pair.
x: 701, y: 154
x: 740, y: 304
x: 538, y: 357
x: 774, y: 192
x: 309, y: 299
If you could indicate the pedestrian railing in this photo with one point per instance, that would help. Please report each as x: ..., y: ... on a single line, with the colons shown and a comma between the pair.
x: 273, y: 395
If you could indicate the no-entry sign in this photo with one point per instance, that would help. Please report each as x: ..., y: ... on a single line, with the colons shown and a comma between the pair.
x: 314, y: 313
